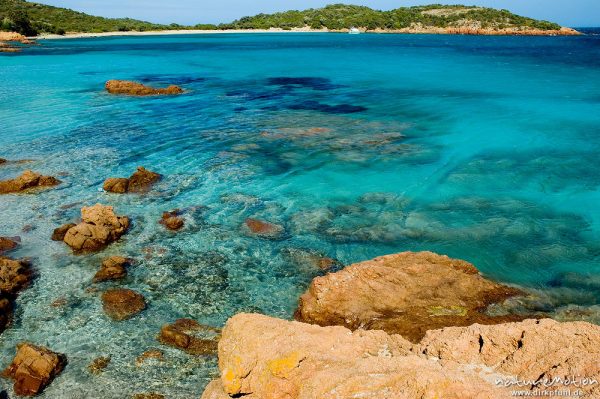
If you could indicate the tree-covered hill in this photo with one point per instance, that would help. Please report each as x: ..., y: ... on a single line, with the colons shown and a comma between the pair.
x: 33, y: 18
x: 341, y: 16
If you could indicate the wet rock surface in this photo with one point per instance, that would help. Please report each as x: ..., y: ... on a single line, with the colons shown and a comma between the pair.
x: 33, y: 368
x: 264, y: 229
x: 138, y: 89
x: 8, y: 243
x: 141, y: 181
x: 172, y: 220
x: 99, y: 228
x: 263, y: 357
x: 190, y: 336
x: 406, y: 293
x: 27, y: 182
x: 98, y: 365
x: 15, y: 275
x: 113, y: 268
x: 121, y: 304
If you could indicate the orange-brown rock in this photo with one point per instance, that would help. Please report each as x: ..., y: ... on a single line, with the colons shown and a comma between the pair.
x: 264, y: 229
x: 150, y: 395
x: 262, y: 357
x: 59, y: 233
x: 190, y: 336
x: 5, y: 312
x: 99, y: 364
x: 121, y: 304
x: 33, y: 368
x: 14, y: 37
x: 14, y: 275
x: 117, y: 185
x: 99, y: 228
x: 138, y: 89
x: 155, y: 354
x: 141, y: 181
x: 533, y: 350
x: 8, y: 243
x: 28, y: 181
x: 113, y: 268
x: 406, y: 293
x: 2, y: 161
x: 171, y: 220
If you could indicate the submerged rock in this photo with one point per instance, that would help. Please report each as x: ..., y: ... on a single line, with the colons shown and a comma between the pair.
x: 151, y: 395
x: 99, y: 364
x: 406, y: 293
x: 8, y: 243
x: 140, y: 181
x: 262, y: 357
x: 154, y: 354
x: 138, y: 89
x: 171, y: 220
x: 59, y: 233
x: 186, y: 334
x: 100, y: 227
x: 310, y: 260
x: 2, y: 161
x: 28, y: 181
x: 121, y: 304
x: 113, y: 268
x: 264, y: 229
x: 34, y: 368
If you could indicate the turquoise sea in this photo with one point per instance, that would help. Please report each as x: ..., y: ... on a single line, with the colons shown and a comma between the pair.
x: 482, y: 148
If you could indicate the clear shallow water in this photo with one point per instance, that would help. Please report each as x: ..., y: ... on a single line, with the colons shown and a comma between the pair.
x: 482, y: 148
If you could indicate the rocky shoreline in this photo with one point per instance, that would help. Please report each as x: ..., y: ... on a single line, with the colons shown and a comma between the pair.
x: 405, y: 325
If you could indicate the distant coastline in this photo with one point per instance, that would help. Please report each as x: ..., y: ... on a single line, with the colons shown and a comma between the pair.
x: 428, y: 30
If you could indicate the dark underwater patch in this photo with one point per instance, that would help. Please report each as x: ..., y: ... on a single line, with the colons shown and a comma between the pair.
x: 312, y: 105
x: 314, y: 83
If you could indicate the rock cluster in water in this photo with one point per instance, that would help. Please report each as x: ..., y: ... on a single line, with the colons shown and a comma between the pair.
x: 27, y: 181
x: 6, y: 38
x: 262, y: 357
x: 33, y: 368
x: 100, y: 227
x: 140, y: 181
x: 406, y: 293
x: 172, y: 220
x: 137, y: 89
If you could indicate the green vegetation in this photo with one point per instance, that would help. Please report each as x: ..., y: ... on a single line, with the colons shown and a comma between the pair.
x: 341, y: 16
x: 32, y: 18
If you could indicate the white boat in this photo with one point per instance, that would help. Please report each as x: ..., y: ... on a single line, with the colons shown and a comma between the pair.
x: 354, y: 31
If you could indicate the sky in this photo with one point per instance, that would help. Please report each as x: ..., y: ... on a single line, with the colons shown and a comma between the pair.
x: 574, y: 13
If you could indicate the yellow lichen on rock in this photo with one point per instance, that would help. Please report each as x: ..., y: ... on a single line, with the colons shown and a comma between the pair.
x: 283, y: 366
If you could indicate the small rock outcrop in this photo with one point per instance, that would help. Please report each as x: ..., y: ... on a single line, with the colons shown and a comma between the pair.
x: 59, y: 233
x: 113, y: 268
x: 172, y: 220
x: 190, y: 336
x: 28, y: 181
x: 406, y: 293
x: 121, y: 304
x: 140, y: 181
x: 137, y: 89
x: 262, y: 357
x: 33, y: 368
x: 264, y: 229
x: 8, y: 243
x: 15, y: 275
x: 98, y: 365
x: 99, y: 228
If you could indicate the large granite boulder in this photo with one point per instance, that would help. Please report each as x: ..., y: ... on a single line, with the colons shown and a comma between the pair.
x: 406, y: 293
x: 262, y: 357
x: 28, y: 181
x: 99, y: 228
x: 137, y: 89
x: 141, y: 181
x: 33, y: 368
x: 121, y: 304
